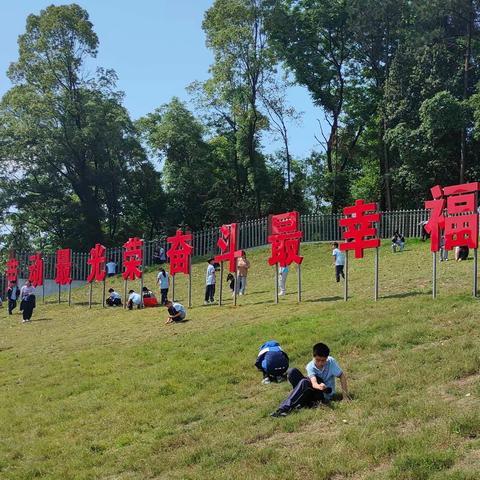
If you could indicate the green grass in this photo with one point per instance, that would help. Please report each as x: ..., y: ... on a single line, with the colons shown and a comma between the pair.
x: 113, y: 394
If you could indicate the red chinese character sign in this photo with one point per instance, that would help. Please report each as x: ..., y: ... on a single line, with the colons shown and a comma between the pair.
x: 35, y: 270
x: 228, y: 246
x: 132, y: 258
x: 12, y: 269
x: 179, y: 255
x: 285, y: 237
x: 453, y: 222
x: 360, y: 233
x: 96, y: 260
x: 133, y: 263
x: 63, y: 272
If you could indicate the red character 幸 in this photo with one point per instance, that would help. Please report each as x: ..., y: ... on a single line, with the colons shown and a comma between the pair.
x: 12, y: 269
x: 228, y: 244
x: 63, y: 267
x: 285, y: 239
x: 132, y: 258
x: 179, y: 253
x: 359, y: 231
x: 96, y: 260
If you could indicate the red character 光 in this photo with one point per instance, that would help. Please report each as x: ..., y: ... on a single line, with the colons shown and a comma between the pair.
x: 359, y: 229
x: 179, y: 253
x: 35, y: 270
x: 96, y: 260
x: 285, y: 239
x: 132, y: 258
x: 63, y: 267
x: 228, y: 244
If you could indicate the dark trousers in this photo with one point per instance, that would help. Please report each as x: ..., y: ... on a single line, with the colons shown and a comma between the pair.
x: 338, y: 272
x: 113, y: 301
x: 302, y: 395
x: 27, y: 307
x: 164, y: 292
x: 12, y: 304
x: 209, y: 293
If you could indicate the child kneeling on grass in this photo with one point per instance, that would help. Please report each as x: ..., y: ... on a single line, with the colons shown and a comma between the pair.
x: 318, y: 387
x: 272, y: 361
x: 176, y: 312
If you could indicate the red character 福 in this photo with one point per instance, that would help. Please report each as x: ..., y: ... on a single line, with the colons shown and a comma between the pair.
x: 35, y: 270
x: 12, y: 269
x: 179, y: 253
x: 359, y: 231
x: 63, y: 267
x: 132, y: 258
x: 228, y: 244
x: 96, y: 260
x: 460, y: 225
x: 285, y: 239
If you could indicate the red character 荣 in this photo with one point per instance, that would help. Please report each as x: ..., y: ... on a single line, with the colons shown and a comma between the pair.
x: 63, y: 267
x: 360, y: 232
x: 285, y: 239
x: 180, y: 252
x: 460, y: 224
x: 96, y: 260
x: 132, y: 258
x: 35, y: 270
x: 228, y: 244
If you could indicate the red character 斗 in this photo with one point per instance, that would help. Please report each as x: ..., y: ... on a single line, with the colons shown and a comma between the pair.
x: 461, y: 222
x: 228, y: 244
x: 63, y: 267
x: 12, y: 269
x: 179, y: 253
x: 96, y: 260
x: 132, y: 258
x: 359, y: 231
x: 285, y: 239
x: 35, y: 270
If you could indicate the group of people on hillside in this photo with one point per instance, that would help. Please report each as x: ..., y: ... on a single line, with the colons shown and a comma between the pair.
x: 26, y: 295
x: 318, y: 387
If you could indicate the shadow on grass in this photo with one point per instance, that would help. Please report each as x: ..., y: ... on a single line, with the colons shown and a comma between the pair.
x: 324, y: 299
x: 41, y: 319
x: 405, y: 294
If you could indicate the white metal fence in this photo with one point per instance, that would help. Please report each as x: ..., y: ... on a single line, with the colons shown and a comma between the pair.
x: 251, y: 233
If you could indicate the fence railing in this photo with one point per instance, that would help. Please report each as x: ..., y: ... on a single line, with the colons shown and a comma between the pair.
x: 251, y: 233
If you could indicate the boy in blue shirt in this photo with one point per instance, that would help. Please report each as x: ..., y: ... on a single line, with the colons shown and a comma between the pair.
x: 318, y: 387
x: 339, y: 261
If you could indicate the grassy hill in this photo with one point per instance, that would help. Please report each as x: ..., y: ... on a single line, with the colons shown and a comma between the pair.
x: 113, y: 394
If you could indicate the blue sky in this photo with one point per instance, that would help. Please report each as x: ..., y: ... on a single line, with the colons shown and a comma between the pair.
x: 157, y: 48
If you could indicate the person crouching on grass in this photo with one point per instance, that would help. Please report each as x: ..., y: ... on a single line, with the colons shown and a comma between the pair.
x: 319, y: 387
x: 176, y: 312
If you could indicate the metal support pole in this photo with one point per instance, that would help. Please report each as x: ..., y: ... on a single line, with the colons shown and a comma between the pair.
x: 221, y: 284
x: 434, y: 275
x: 143, y: 273
x: 43, y: 290
x: 475, y: 272
x: 375, y: 294
x: 59, y: 293
x: 299, y: 282
x: 276, y: 283
x: 103, y: 293
x: 235, y: 289
x: 173, y: 288
x: 70, y: 294
x: 345, y: 284
x: 90, y: 295
x: 125, y: 299
x: 189, y: 281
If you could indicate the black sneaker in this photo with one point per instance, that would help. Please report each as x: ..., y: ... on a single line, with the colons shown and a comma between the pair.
x: 278, y: 413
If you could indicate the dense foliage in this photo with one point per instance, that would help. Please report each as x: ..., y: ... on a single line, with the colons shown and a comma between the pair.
x: 396, y: 80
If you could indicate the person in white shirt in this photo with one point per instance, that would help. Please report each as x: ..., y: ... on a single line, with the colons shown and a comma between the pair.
x: 210, y: 282
x: 176, y: 312
x: 163, y: 283
x: 339, y: 261
x: 134, y: 299
x: 27, y: 295
x: 114, y: 300
x: 111, y: 268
